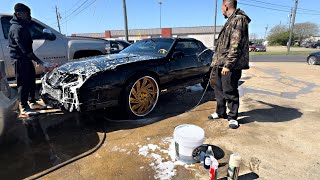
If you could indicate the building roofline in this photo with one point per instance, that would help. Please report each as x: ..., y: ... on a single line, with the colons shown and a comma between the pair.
x: 161, y: 28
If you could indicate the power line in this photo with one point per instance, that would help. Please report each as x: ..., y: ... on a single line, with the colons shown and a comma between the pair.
x: 74, y: 5
x: 274, y: 9
x: 280, y: 5
x: 68, y: 17
x: 88, y: 5
x: 77, y: 9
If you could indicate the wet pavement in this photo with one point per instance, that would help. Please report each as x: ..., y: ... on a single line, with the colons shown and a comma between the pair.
x: 277, y: 137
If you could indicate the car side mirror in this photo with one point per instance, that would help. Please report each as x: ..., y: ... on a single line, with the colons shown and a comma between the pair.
x: 114, y: 47
x: 48, y: 35
x: 177, y: 55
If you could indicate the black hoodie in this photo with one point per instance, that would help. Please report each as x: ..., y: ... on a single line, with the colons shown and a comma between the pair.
x: 20, y: 40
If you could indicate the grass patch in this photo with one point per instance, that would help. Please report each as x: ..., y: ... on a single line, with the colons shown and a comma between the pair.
x: 283, y: 52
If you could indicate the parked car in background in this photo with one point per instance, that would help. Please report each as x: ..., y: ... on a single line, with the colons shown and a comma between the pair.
x: 306, y: 43
x: 115, y: 46
x: 132, y: 79
x: 314, y: 59
x: 8, y: 102
x: 309, y: 44
x: 49, y: 45
x: 316, y: 45
x: 257, y: 48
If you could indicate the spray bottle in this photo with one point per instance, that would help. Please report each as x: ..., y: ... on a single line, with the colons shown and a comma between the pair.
x: 234, y: 165
x: 207, y: 158
x: 214, y: 168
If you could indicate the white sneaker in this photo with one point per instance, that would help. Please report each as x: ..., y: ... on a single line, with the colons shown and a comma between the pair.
x: 233, y: 124
x: 37, y: 106
x: 216, y: 116
x: 27, y: 111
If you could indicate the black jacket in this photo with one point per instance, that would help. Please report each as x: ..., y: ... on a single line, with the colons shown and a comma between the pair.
x: 20, y: 40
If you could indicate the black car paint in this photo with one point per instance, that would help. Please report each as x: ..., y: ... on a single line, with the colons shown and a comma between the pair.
x: 317, y: 55
x: 106, y: 76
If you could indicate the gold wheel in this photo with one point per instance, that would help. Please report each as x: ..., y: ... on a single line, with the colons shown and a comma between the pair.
x: 143, y: 96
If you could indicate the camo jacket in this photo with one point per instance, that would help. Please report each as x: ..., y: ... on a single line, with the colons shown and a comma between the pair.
x: 232, y: 49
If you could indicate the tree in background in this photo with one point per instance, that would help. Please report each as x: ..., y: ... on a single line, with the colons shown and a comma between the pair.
x: 278, y: 35
x: 280, y: 39
x: 253, y: 37
x: 278, y: 29
x: 305, y: 30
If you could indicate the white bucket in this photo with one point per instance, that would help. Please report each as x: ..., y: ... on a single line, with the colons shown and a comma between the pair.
x: 187, y: 137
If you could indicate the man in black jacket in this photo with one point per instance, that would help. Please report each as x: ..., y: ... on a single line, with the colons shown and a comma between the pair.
x: 21, y: 52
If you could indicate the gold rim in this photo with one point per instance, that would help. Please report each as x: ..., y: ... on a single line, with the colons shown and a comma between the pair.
x: 143, y: 96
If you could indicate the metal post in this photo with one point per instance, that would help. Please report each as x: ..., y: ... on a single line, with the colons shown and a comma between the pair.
x: 160, y: 3
x: 290, y: 18
x: 125, y: 19
x: 215, y: 25
x: 58, y: 19
x: 265, y: 34
x: 292, y: 25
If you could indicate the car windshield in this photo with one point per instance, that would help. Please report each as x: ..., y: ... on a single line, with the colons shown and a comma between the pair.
x: 150, y: 46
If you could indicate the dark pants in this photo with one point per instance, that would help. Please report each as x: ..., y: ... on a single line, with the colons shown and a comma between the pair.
x: 226, y: 92
x: 26, y: 80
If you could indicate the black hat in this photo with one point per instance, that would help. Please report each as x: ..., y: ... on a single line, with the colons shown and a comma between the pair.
x: 21, y: 7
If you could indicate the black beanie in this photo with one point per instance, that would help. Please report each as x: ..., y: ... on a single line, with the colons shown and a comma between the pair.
x: 21, y: 7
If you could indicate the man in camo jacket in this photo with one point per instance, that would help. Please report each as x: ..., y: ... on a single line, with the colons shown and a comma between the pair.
x: 230, y: 58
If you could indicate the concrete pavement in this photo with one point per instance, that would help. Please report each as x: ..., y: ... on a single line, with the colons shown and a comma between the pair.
x: 278, y: 136
x: 279, y: 58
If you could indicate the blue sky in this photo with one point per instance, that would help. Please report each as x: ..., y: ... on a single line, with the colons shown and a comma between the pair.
x: 107, y: 14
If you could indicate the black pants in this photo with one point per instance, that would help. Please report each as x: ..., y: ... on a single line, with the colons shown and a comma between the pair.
x: 26, y: 80
x: 226, y: 92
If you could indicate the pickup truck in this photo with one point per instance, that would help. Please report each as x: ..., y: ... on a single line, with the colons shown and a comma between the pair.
x: 49, y: 45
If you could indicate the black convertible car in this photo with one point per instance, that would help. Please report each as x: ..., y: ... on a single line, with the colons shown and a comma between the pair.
x: 314, y: 58
x: 132, y: 79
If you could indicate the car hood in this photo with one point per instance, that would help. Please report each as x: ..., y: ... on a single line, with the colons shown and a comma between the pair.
x: 315, y: 54
x: 92, y: 65
x: 75, y: 38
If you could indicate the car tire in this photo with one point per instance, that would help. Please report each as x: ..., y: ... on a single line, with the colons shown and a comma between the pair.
x: 312, y: 60
x: 140, y: 96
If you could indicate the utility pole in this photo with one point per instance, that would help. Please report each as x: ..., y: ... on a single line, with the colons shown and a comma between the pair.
x: 290, y: 18
x: 160, y: 4
x: 58, y: 19
x: 215, y: 24
x: 292, y: 25
x: 125, y: 19
x: 265, y: 34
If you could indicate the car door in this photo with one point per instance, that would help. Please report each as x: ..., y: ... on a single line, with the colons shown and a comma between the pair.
x: 205, y: 59
x: 186, y: 67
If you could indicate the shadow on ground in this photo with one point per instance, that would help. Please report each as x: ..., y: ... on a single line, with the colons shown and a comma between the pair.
x: 249, y: 176
x: 39, y: 143
x: 273, y: 113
